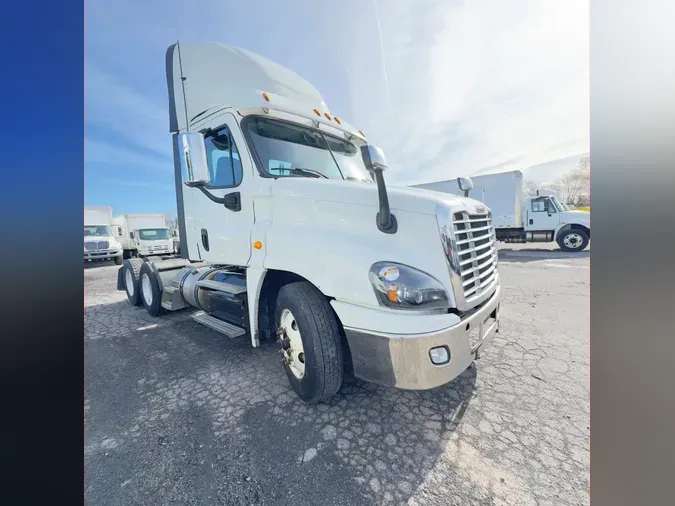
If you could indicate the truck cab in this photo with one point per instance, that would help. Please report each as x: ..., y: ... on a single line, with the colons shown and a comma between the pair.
x: 289, y: 232
x: 100, y: 242
x: 152, y: 241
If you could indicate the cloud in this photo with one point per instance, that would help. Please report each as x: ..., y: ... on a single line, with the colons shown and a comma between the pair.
x: 138, y: 184
x: 477, y: 84
x: 113, y: 155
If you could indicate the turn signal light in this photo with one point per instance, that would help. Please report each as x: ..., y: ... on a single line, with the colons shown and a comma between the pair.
x: 257, y: 245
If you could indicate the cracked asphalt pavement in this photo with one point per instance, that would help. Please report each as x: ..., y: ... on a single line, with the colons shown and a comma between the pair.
x: 176, y: 413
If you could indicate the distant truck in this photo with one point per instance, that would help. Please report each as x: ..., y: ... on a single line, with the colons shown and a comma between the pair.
x: 143, y: 235
x: 99, y: 241
x: 520, y: 219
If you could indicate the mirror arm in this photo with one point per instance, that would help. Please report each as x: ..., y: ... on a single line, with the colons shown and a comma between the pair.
x: 386, y: 222
x: 231, y: 200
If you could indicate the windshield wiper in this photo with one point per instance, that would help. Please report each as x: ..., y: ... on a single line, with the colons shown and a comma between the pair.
x: 307, y: 172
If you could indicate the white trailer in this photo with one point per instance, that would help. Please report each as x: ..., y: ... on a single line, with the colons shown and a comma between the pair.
x: 99, y: 241
x: 519, y: 219
x: 143, y: 235
x: 288, y: 232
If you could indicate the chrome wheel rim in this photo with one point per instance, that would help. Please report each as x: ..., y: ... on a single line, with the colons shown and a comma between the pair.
x: 146, y: 288
x: 292, y: 350
x: 129, y: 283
x: 573, y: 240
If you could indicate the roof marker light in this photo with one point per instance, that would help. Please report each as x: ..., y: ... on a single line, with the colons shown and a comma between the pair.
x: 337, y: 120
x: 362, y: 134
x: 327, y: 115
x: 317, y: 112
x: 266, y: 97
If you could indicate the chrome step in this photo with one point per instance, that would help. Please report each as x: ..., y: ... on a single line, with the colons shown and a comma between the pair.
x: 220, y: 286
x: 218, y: 325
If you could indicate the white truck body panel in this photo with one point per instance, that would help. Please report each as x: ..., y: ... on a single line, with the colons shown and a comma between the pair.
x: 98, y: 215
x: 502, y: 193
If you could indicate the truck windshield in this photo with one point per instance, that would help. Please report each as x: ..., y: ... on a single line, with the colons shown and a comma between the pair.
x: 288, y: 149
x: 154, y: 234
x: 559, y: 205
x: 97, y: 231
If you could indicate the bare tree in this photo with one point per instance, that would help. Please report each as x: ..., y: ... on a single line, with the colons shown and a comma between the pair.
x: 531, y: 188
x: 573, y: 185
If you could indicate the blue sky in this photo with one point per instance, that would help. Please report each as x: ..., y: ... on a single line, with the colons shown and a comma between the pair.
x: 446, y: 87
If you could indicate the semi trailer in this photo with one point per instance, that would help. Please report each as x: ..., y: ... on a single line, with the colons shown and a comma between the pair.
x: 518, y: 218
x: 99, y: 241
x: 289, y: 233
x: 143, y: 235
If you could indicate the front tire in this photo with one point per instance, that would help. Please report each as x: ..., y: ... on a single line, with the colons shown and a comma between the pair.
x: 151, y: 290
x: 119, y: 260
x: 573, y: 240
x: 131, y: 274
x: 309, y: 334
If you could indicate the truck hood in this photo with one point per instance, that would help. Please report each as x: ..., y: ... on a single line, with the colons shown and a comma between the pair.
x: 408, y: 199
x: 576, y: 216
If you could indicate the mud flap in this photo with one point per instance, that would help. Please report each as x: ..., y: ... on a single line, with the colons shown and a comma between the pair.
x: 120, y: 279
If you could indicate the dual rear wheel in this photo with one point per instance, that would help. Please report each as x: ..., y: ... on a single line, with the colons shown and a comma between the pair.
x: 142, y: 285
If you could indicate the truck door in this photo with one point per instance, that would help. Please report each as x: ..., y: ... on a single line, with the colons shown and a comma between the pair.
x: 541, y: 214
x: 223, y: 231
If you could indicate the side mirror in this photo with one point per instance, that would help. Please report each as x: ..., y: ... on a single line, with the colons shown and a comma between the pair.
x: 375, y: 162
x: 193, y: 162
x: 465, y: 184
x: 373, y: 158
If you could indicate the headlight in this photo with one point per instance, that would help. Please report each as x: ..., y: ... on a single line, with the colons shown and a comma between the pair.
x: 402, y: 287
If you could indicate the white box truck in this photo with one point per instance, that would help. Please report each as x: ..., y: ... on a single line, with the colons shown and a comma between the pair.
x: 288, y: 232
x: 519, y: 219
x: 143, y: 235
x: 99, y: 241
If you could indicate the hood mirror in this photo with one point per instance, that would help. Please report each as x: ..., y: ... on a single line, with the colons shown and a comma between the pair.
x: 465, y: 184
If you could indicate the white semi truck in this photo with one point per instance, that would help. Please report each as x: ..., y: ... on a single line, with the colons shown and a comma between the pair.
x: 99, y: 241
x: 519, y: 219
x: 289, y: 232
x: 143, y: 235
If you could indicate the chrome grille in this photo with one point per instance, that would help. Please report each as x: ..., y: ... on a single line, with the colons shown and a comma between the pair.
x: 93, y: 245
x: 476, y: 252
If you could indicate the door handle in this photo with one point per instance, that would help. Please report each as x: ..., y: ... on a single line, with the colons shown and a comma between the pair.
x: 205, y: 239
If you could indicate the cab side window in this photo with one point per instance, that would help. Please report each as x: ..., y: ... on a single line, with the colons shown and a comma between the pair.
x: 223, y: 159
x: 539, y: 205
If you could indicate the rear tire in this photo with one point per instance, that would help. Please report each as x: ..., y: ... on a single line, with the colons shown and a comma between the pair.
x: 150, y: 290
x: 573, y: 240
x: 314, y: 323
x: 131, y: 274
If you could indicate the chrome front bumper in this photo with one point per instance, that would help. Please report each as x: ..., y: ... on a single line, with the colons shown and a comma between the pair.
x: 102, y: 254
x: 403, y: 361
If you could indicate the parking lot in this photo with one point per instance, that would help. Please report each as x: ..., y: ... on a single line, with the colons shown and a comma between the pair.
x: 176, y: 413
